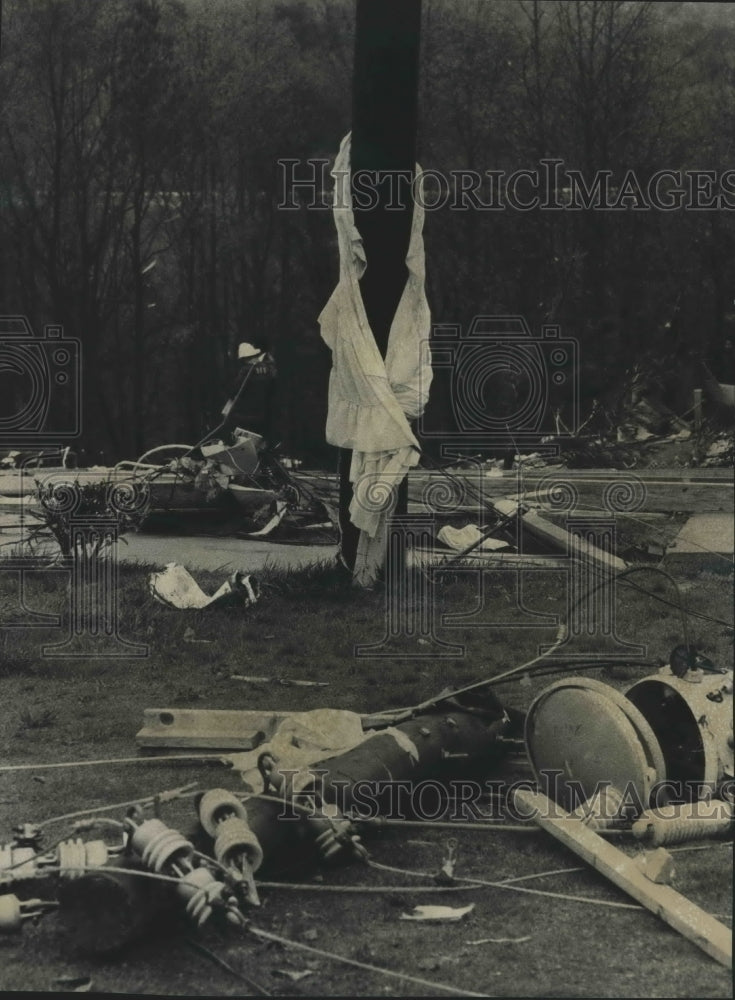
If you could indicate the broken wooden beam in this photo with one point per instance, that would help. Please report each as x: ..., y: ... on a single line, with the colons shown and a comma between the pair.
x: 624, y: 871
x: 206, y: 728
x: 564, y: 541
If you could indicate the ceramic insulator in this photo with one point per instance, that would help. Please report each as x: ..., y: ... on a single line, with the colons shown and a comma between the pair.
x: 216, y: 805
x: 11, y: 918
x: 233, y: 836
x: 17, y: 864
x: 678, y: 824
x: 199, y: 889
x: 158, y: 845
x: 75, y: 856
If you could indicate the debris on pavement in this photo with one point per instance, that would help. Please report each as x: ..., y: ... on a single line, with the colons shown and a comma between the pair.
x: 175, y: 587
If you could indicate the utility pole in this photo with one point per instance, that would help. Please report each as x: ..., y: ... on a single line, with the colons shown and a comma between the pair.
x: 384, y: 124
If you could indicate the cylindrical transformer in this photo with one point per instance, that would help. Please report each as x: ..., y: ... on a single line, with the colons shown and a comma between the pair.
x: 692, y: 718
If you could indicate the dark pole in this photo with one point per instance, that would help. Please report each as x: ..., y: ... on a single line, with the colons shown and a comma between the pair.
x: 384, y: 121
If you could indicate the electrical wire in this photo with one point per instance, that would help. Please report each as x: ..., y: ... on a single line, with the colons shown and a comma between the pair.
x: 39, y: 854
x: 689, y: 611
x: 366, y: 889
x: 483, y: 825
x: 508, y: 884
x: 165, y: 796
x: 196, y: 946
x: 118, y: 870
x: 364, y: 966
x: 408, y: 711
x: 222, y: 758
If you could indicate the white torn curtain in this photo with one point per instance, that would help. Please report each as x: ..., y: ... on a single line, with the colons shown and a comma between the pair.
x: 372, y: 400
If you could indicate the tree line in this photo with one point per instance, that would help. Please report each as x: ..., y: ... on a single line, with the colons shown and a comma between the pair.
x: 141, y: 201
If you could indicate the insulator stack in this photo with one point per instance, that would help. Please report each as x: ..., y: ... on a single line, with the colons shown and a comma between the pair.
x: 199, y: 890
x: 332, y: 833
x: 74, y: 857
x: 165, y: 851
x: 17, y: 864
x: 71, y: 857
x: 225, y: 818
x: 677, y: 824
x: 160, y: 846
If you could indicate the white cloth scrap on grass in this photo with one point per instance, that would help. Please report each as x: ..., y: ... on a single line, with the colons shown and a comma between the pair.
x: 372, y: 400
x: 462, y: 538
x: 176, y: 587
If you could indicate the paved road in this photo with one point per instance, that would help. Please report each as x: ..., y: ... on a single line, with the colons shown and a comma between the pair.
x: 193, y: 551
x: 220, y: 553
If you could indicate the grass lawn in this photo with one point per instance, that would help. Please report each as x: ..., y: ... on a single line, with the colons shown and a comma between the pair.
x: 306, y: 627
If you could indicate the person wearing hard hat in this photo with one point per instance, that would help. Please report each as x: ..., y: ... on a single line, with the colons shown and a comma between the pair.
x: 252, y: 406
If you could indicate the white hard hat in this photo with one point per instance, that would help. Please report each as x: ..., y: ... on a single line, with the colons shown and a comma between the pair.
x: 246, y: 350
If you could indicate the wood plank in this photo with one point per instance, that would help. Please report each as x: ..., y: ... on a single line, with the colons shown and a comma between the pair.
x: 489, y: 560
x: 560, y: 539
x: 664, y: 490
x: 206, y: 728
x: 676, y: 910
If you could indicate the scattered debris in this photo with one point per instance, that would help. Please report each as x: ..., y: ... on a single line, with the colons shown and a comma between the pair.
x: 280, y: 512
x: 292, y: 974
x: 74, y: 984
x: 190, y: 636
x: 502, y: 940
x: 242, y: 457
x: 175, y: 587
x: 285, y: 681
x: 104, y: 904
x: 436, y: 962
x: 438, y: 914
x: 658, y: 866
x: 719, y: 452
x: 445, y: 875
